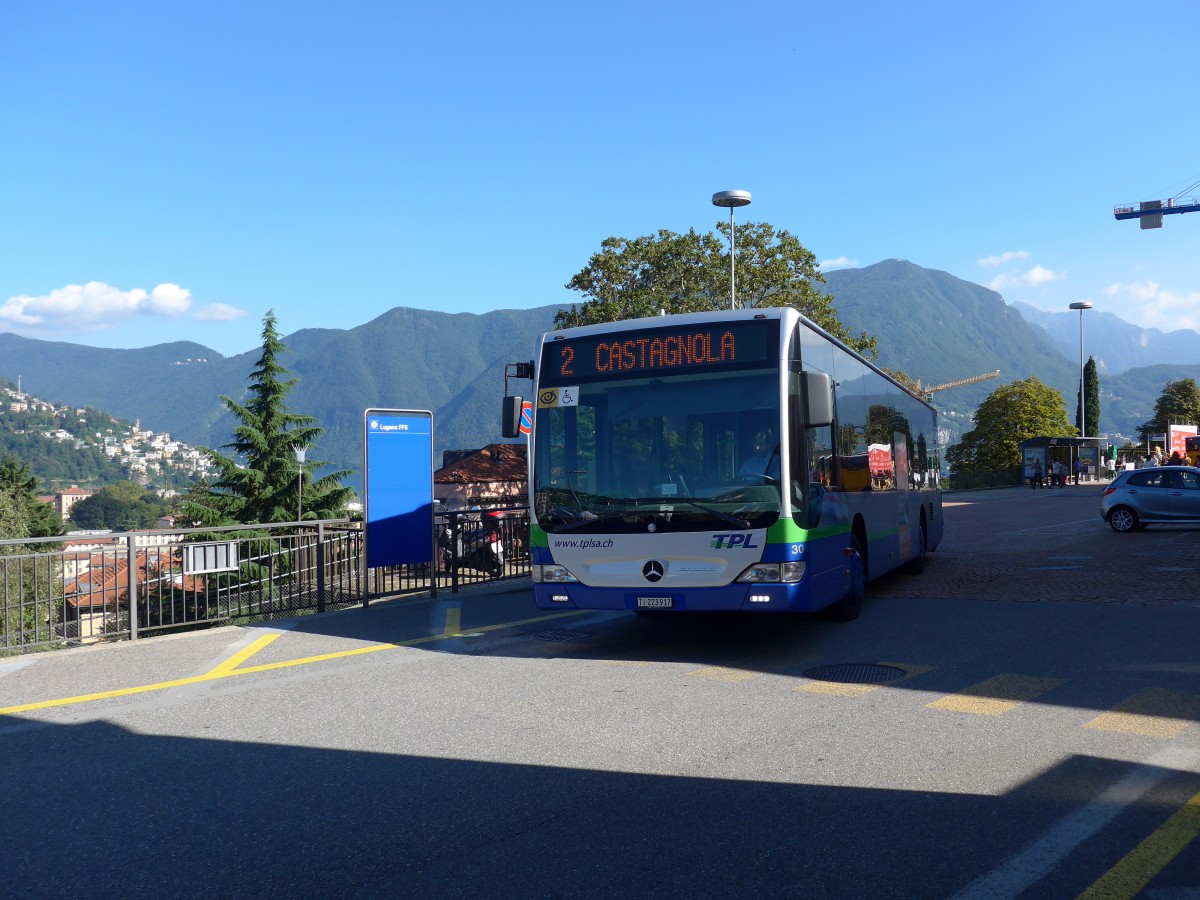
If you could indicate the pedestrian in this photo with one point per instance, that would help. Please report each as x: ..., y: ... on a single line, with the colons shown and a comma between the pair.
x: 1035, y: 479
x: 1176, y: 459
x: 1060, y: 473
x: 1078, y: 469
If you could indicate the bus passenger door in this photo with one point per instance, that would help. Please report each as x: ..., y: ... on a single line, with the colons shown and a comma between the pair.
x: 814, y: 502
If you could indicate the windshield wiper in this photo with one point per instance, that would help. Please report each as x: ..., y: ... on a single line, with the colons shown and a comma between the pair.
x: 723, y: 516
x: 593, y: 520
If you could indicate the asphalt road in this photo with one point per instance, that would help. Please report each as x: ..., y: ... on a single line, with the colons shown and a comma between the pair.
x: 1040, y: 740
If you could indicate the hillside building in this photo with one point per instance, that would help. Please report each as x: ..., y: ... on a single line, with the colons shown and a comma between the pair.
x: 68, y: 497
x: 497, y: 474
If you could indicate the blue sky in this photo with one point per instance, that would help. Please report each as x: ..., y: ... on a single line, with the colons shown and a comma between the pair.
x: 171, y: 171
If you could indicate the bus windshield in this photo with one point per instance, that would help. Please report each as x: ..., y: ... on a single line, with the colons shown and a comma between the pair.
x: 683, y: 452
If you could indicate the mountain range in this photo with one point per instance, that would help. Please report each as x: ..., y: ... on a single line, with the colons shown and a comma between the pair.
x: 1116, y: 345
x: 931, y: 325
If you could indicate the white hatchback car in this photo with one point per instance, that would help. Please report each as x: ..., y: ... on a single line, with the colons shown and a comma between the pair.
x: 1158, y: 495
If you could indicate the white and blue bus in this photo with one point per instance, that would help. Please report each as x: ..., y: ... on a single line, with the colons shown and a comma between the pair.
x: 740, y: 460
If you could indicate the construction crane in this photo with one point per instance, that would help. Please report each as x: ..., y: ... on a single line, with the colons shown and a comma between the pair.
x: 1151, y: 212
x: 929, y: 391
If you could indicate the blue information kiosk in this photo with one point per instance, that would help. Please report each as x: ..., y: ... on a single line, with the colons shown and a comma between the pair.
x: 398, y: 487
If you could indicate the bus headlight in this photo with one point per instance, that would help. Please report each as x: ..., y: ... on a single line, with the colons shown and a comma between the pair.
x: 773, y: 572
x: 552, y: 575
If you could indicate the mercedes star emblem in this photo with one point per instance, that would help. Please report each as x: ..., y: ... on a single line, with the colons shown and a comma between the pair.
x: 653, y: 570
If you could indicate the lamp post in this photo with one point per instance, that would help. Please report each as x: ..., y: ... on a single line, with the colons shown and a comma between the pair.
x: 731, y: 199
x: 300, y: 450
x: 1081, y: 306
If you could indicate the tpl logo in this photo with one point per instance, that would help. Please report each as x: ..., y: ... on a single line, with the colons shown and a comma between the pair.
x: 729, y: 541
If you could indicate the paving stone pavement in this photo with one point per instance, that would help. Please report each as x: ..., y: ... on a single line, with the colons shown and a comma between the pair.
x: 1051, y: 545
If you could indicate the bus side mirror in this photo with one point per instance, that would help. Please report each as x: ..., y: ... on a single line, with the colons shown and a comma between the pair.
x: 818, y: 399
x: 510, y: 417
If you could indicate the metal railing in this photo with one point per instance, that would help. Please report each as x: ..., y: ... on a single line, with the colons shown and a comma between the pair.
x: 78, y: 588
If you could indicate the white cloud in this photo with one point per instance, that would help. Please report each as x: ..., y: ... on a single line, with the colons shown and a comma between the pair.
x: 218, y: 312
x: 840, y: 263
x: 91, y: 307
x: 1034, y: 277
x: 1004, y: 258
x: 1041, y: 275
x: 1147, y: 304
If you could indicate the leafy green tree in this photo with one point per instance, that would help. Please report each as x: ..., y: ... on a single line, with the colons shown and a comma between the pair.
x: 259, y: 486
x: 13, y: 524
x: 31, y: 579
x: 19, y: 483
x: 632, y: 278
x: 905, y: 380
x: 1010, y: 414
x: 14, y: 519
x: 120, y: 507
x: 1091, y: 391
x: 1179, y: 404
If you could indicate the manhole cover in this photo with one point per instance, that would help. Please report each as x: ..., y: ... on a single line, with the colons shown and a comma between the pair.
x: 557, y: 634
x: 855, y: 673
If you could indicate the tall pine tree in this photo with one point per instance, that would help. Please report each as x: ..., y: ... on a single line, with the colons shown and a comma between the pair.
x: 260, y: 483
x: 1091, y: 393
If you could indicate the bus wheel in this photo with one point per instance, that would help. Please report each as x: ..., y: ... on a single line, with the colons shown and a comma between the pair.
x: 848, y: 608
x: 916, y: 565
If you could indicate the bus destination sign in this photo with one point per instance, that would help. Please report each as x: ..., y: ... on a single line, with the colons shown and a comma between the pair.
x: 632, y: 354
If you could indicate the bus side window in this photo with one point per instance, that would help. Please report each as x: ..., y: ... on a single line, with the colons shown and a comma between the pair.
x: 821, y: 469
x: 822, y: 473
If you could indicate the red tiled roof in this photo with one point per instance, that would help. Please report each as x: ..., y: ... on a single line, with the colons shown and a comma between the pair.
x: 107, y: 580
x: 494, y: 463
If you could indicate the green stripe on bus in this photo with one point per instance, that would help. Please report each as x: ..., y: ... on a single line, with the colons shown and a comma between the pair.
x: 786, y: 531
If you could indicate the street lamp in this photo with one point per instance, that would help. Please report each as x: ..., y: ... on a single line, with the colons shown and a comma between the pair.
x: 300, y: 450
x: 1081, y: 306
x: 732, y: 199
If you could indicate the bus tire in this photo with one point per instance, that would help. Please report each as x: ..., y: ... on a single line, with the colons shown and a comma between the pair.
x: 848, y: 608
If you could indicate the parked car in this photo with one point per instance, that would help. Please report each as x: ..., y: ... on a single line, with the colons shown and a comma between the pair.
x: 1157, y: 495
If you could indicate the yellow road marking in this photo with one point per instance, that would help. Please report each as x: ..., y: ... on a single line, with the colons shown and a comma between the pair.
x: 752, y: 667
x: 1139, y: 867
x: 836, y: 688
x: 840, y: 689
x: 996, y: 696
x: 724, y: 673
x: 104, y: 695
x: 453, y: 621
x: 226, y: 671
x: 1153, y: 712
x: 631, y: 663
x: 244, y: 654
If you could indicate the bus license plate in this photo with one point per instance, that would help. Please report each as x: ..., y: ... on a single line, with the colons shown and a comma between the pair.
x: 654, y: 602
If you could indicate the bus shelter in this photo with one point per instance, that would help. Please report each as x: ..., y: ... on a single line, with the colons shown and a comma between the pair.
x: 1092, y: 454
